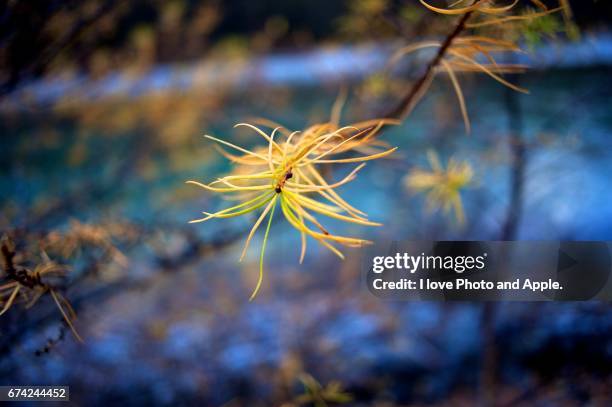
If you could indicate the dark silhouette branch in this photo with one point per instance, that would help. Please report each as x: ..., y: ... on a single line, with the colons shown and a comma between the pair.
x: 518, y: 151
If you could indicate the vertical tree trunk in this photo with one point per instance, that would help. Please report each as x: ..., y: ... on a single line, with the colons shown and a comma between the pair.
x: 518, y: 162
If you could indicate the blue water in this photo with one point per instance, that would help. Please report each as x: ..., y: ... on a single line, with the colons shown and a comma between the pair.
x: 189, y: 332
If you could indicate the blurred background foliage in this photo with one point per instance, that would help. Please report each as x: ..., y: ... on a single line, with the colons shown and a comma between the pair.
x: 102, y: 108
x: 65, y: 37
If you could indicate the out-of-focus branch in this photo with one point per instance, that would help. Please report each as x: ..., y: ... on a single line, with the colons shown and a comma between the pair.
x: 196, y: 247
x: 85, y: 287
x: 7, y: 259
x: 519, y: 163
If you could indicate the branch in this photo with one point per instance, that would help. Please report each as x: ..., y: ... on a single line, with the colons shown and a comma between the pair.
x: 7, y: 256
x: 407, y: 104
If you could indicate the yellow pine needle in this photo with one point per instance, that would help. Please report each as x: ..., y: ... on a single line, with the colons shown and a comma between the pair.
x: 336, y: 147
x: 503, y: 44
x: 489, y: 72
x: 330, y: 247
x: 307, y: 188
x: 361, y: 142
x: 241, y: 187
x: 258, y: 131
x: 71, y: 311
x: 299, y: 224
x: 225, y: 211
x: 11, y: 299
x: 300, y: 211
x: 539, y: 4
x: 288, y: 141
x: 318, y: 142
x: 358, y: 159
x: 374, y: 122
x: 457, y: 3
x: 256, y: 225
x: 319, y: 130
x: 330, y: 194
x: 270, y: 124
x: 296, y: 223
x: 374, y: 130
x: 243, y: 150
x: 497, y: 10
x: 336, y: 111
x: 263, y: 250
x: 400, y: 53
x: 453, y: 78
x: 477, y: 6
x: 339, y: 239
x: 316, y: 203
x: 66, y: 318
x: 270, y: 145
x: 232, y: 189
x: 457, y: 11
x: 308, y: 204
x: 8, y: 286
x: 567, y: 9
x: 507, y: 19
x: 303, y: 241
x: 303, y: 237
x: 505, y: 68
x: 238, y: 213
x: 261, y: 175
x: 472, y: 49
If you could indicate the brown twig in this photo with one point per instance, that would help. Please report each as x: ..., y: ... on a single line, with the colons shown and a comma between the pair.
x: 416, y: 92
x: 32, y: 280
x: 7, y: 257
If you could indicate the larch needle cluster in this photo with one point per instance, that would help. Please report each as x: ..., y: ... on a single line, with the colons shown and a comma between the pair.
x: 286, y: 173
